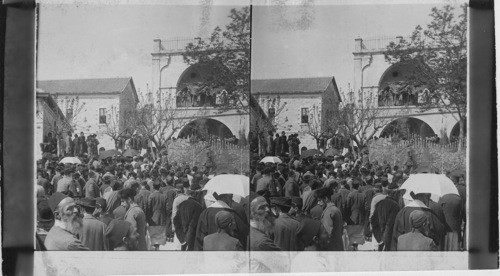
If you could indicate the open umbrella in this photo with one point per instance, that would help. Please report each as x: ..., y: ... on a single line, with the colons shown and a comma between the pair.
x: 332, y: 152
x: 108, y: 153
x: 229, y: 184
x: 270, y: 159
x: 437, y: 185
x: 310, y: 152
x: 130, y: 153
x: 70, y: 160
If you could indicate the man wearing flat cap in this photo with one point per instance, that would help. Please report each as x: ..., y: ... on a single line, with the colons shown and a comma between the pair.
x: 261, y: 225
x: 285, y: 227
x: 416, y: 240
x: 223, y: 239
x: 331, y: 218
x: 67, y: 225
x: 93, y: 231
x: 402, y: 223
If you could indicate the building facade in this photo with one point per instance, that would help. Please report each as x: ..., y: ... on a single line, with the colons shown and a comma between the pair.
x: 49, y: 120
x: 174, y: 84
x: 297, y: 105
x: 375, y: 77
x: 94, y: 106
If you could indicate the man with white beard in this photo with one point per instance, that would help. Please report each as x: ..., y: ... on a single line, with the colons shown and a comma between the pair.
x: 68, y: 224
x: 261, y: 225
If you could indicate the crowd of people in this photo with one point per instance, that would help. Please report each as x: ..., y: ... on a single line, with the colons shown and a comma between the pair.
x: 134, y: 203
x: 341, y: 203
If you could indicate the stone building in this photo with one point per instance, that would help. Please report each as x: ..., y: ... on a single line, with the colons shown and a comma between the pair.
x: 377, y: 78
x: 174, y: 85
x: 297, y: 105
x: 49, y: 118
x: 94, y: 105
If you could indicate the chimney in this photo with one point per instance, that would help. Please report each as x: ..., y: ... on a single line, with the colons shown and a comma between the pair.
x: 358, y: 44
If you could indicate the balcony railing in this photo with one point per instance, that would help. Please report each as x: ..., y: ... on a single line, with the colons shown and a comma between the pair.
x: 179, y: 44
x: 380, y: 43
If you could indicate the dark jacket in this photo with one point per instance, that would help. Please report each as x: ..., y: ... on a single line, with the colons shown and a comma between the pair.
x: 157, y: 209
x: 383, y: 220
x: 186, y: 220
x: 285, y: 232
x: 259, y: 241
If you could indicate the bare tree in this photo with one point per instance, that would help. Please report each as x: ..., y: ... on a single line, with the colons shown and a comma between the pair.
x: 160, y: 120
x: 262, y: 122
x: 321, y: 123
x: 116, y: 128
x: 359, y: 118
x: 71, y: 108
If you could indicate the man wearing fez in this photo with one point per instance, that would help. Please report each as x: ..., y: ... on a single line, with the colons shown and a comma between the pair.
x: 206, y: 222
x: 93, y: 231
x: 261, y: 226
x: 417, y: 239
x: 331, y: 218
x: 402, y: 222
x: 223, y: 239
x: 285, y: 227
x: 384, y: 216
x: 122, y: 236
x: 67, y: 225
x: 135, y: 215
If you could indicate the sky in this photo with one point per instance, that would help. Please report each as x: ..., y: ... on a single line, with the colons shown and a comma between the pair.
x: 318, y: 41
x: 102, y: 41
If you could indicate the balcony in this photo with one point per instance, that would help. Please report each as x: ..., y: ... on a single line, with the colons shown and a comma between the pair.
x: 377, y: 43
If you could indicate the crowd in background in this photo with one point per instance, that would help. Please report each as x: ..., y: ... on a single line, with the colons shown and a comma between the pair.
x: 339, y: 203
x: 138, y: 202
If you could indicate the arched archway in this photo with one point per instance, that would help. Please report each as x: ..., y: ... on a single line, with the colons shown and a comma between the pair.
x: 394, y: 89
x: 407, y: 127
x: 204, y: 128
x: 455, y: 131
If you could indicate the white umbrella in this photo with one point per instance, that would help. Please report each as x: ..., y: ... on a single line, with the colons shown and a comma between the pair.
x: 71, y: 160
x: 229, y: 184
x: 270, y: 159
x: 437, y: 185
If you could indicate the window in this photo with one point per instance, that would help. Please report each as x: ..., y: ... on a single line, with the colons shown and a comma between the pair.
x: 69, y: 114
x: 304, y: 115
x: 102, y: 115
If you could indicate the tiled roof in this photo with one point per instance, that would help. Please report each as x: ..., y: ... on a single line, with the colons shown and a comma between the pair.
x: 293, y: 85
x: 84, y: 86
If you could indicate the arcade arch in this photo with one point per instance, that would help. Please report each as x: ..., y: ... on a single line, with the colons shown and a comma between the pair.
x: 407, y: 127
x: 204, y: 128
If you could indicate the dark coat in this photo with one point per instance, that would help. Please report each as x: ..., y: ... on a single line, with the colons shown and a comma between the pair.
x: 157, y: 209
x: 383, y: 220
x: 259, y: 241
x: 207, y: 226
x: 285, y: 232
x: 334, y: 225
x: 186, y: 220
x: 94, y: 234
x: 137, y: 218
x: 291, y: 188
x: 402, y: 225
x: 221, y: 242
x: 356, y: 207
x: 142, y: 199
x: 308, y: 228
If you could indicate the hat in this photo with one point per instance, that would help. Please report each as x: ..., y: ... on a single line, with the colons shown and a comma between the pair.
x: 179, y: 186
x: 417, y: 218
x: 100, y: 203
x: 281, y: 201
x: 55, y: 199
x: 297, y: 202
x: 116, y: 231
x: 107, y: 177
x: 223, y: 219
x: 324, y: 192
x: 393, y: 186
x: 44, y: 211
x: 87, y: 202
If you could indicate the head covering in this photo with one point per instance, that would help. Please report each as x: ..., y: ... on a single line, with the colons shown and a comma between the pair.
x: 55, y: 199
x: 100, y: 203
x: 393, y: 186
x: 44, y: 211
x: 116, y: 231
x: 417, y: 218
x: 281, y: 201
x: 223, y: 219
x: 87, y: 202
x: 297, y: 202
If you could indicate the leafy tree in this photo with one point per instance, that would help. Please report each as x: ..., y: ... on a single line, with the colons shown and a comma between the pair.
x: 438, y: 56
x: 227, y: 52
